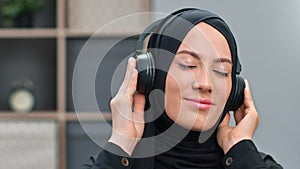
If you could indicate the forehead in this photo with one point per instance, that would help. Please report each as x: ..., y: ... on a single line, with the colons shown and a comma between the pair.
x: 206, y: 40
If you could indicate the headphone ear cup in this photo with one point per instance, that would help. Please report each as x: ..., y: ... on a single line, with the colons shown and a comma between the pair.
x: 238, y: 97
x: 146, y: 72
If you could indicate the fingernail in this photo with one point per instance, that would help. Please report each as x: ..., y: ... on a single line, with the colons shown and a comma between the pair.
x: 131, y: 61
x: 246, y: 82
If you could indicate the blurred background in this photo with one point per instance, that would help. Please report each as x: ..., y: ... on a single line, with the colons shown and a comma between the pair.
x: 40, y: 41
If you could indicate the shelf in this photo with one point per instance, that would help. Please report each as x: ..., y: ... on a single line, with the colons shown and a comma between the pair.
x: 31, y: 33
x: 70, y: 116
x: 28, y: 33
x: 77, y: 33
x: 35, y: 115
x: 87, y: 116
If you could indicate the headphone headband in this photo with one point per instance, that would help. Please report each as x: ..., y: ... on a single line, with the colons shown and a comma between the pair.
x: 149, y: 29
x: 161, y: 23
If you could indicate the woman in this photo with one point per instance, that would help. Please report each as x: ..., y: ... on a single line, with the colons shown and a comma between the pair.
x: 200, y: 54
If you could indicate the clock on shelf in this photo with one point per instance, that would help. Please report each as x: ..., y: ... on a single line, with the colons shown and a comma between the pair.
x: 22, y: 98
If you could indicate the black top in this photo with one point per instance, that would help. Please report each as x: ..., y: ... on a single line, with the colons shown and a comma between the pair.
x: 243, y: 155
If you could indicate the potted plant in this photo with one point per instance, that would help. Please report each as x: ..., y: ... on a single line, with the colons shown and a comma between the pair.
x: 19, y: 13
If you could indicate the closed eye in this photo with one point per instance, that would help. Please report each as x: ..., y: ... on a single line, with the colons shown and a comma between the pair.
x: 183, y: 66
x: 221, y: 73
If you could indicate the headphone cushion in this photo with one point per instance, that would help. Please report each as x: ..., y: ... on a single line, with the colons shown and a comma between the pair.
x: 238, y: 96
x: 146, y: 72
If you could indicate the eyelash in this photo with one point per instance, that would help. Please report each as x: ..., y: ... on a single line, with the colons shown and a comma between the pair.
x: 221, y: 73
x: 186, y: 66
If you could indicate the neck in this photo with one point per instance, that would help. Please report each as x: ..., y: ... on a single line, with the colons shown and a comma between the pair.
x: 164, y: 123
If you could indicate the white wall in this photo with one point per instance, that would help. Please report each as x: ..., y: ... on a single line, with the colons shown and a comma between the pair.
x: 268, y: 37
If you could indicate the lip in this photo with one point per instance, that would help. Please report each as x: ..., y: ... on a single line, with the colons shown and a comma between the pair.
x: 201, y: 104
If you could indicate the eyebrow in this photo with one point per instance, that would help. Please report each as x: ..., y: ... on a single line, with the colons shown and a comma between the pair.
x: 197, y: 56
x: 222, y: 60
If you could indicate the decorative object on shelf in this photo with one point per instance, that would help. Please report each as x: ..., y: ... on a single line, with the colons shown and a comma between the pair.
x: 19, y: 13
x: 96, y: 13
x: 22, y: 98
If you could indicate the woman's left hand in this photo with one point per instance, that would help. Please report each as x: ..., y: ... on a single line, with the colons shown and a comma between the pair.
x: 247, y: 120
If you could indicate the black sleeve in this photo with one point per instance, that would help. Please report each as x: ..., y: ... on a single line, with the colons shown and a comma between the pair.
x: 108, y: 160
x: 245, y: 155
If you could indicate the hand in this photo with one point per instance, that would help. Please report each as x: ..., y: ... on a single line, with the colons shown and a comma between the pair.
x: 247, y: 120
x: 128, y: 125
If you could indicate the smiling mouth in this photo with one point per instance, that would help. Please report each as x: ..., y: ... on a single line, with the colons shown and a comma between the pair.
x: 201, y: 104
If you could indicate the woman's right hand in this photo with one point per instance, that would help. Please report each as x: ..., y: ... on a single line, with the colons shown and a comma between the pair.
x: 127, y: 124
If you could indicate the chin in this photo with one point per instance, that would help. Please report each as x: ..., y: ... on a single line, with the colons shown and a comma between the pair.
x: 196, y: 128
x: 193, y: 119
x: 202, y: 125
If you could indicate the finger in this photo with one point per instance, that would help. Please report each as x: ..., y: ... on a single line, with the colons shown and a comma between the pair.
x: 225, y: 121
x: 238, y: 115
x: 130, y: 65
x: 139, y: 106
x: 248, y: 100
x: 139, y: 103
x: 223, y: 130
x: 133, y: 82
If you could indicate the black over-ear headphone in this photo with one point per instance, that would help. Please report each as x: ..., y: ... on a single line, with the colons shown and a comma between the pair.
x: 146, y: 64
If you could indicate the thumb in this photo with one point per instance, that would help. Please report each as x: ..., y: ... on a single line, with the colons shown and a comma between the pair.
x: 225, y: 121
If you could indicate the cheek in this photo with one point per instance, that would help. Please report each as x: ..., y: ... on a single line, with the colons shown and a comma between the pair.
x: 171, y: 84
x: 221, y: 89
x: 174, y: 86
x: 178, y: 83
x: 172, y: 97
x: 230, y: 86
x: 220, y: 94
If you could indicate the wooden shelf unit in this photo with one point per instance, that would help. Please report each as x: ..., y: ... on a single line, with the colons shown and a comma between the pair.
x: 61, y: 33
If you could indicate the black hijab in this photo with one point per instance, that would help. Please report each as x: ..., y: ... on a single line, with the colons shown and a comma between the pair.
x: 187, y: 152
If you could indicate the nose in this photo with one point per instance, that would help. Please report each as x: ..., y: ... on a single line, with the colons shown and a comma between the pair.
x: 202, y: 80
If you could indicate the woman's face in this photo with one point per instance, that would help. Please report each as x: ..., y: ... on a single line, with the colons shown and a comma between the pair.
x: 198, y: 83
